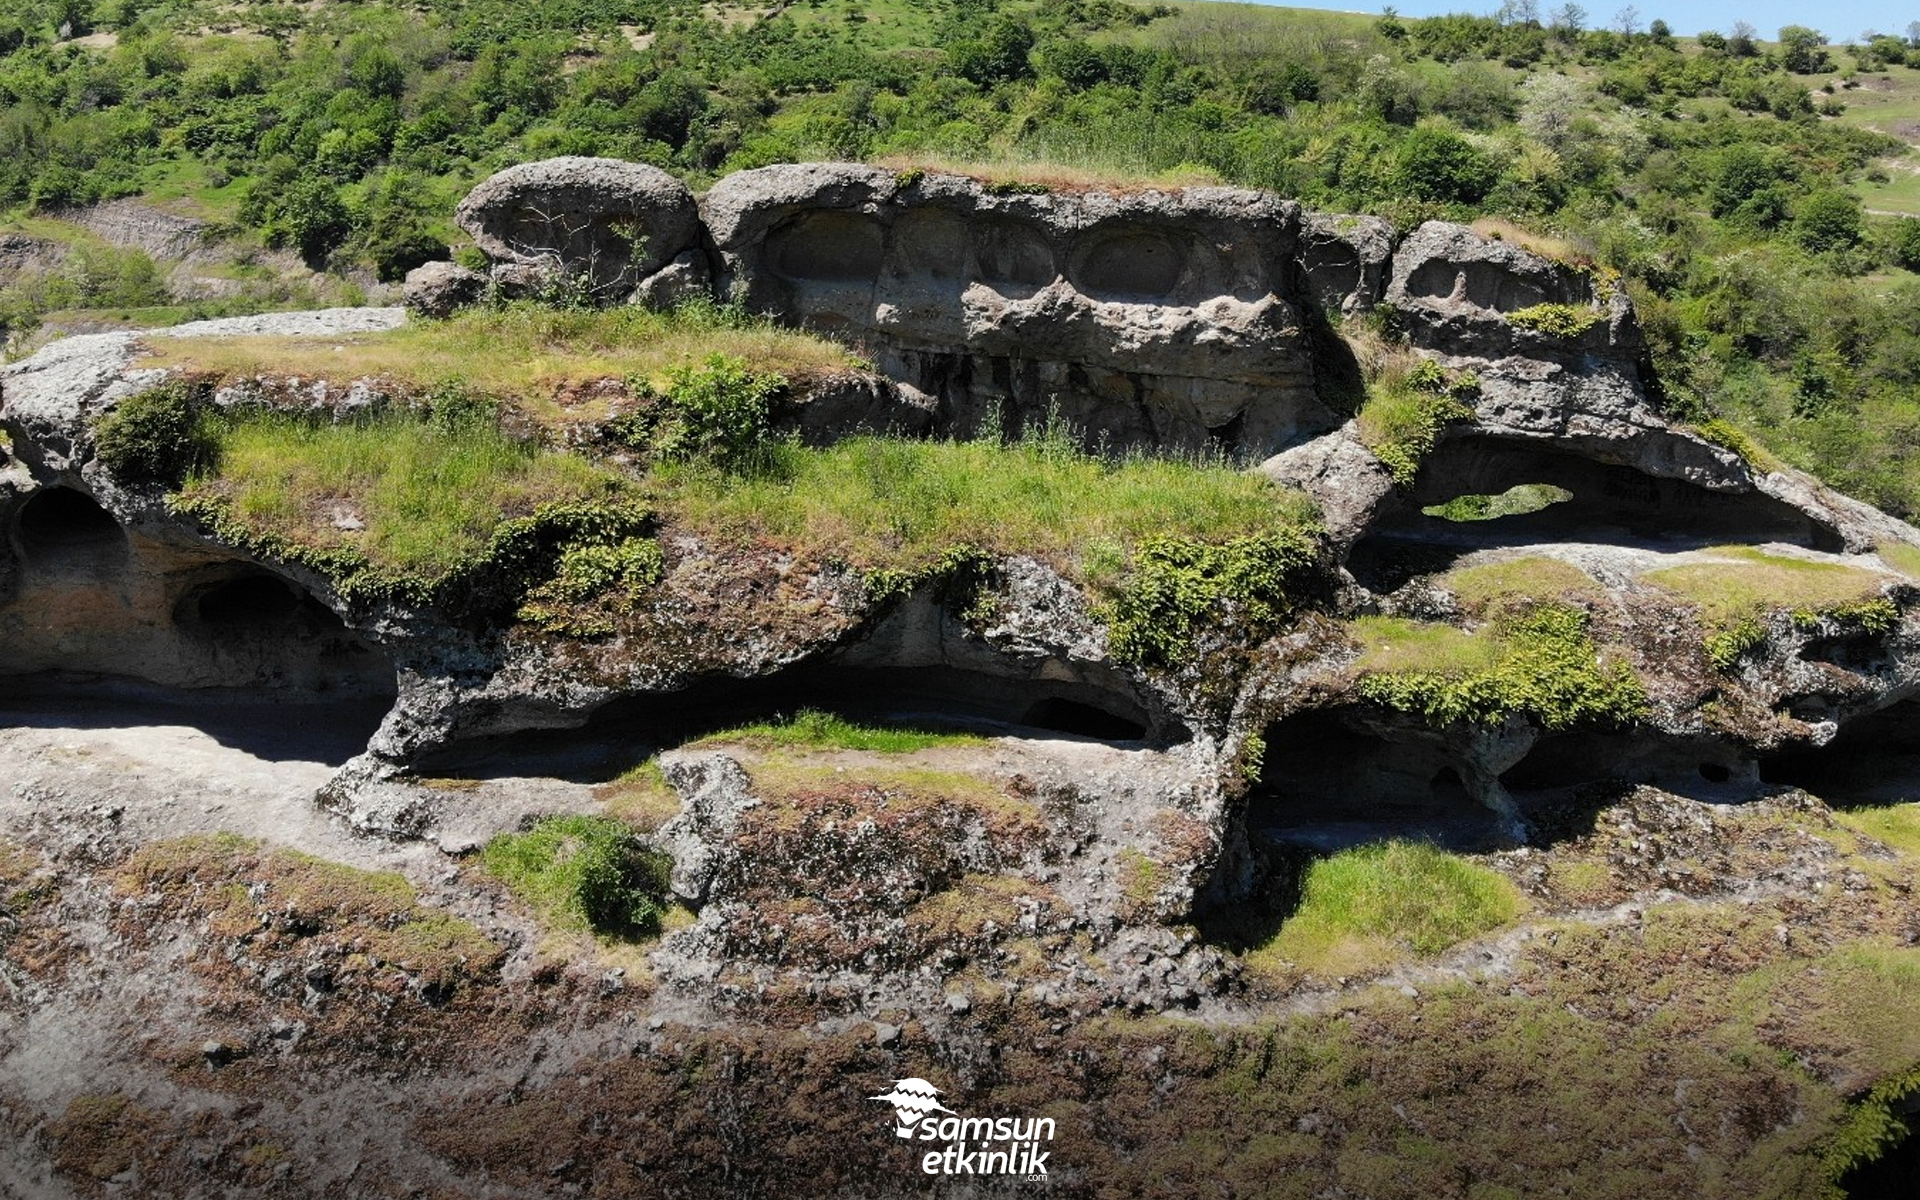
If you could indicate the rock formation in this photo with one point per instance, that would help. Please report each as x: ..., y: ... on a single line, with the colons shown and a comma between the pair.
x: 1172, y: 320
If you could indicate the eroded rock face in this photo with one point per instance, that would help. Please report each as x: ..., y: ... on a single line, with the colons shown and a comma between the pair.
x: 1167, y: 319
x: 612, y: 224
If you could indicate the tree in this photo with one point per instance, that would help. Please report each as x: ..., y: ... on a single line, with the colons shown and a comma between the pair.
x: 1660, y: 32
x: 1000, y: 56
x: 1828, y: 220
x: 1626, y: 22
x: 1439, y: 164
x: 1740, y: 40
x: 1568, y: 20
x: 1804, y: 49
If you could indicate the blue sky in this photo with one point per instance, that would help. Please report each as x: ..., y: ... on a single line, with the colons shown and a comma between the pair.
x: 1838, y: 21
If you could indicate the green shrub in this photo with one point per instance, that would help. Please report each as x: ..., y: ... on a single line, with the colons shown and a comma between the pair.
x: 157, y: 436
x: 1728, y: 646
x: 1542, y: 664
x: 598, y: 573
x: 1555, y: 320
x: 584, y: 873
x: 1404, y: 413
x: 1178, y: 585
x: 720, y: 411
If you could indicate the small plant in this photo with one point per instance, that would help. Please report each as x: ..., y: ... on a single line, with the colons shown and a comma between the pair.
x: 615, y: 573
x: 1405, y: 411
x: 157, y: 436
x: 584, y: 873
x: 1727, y: 647
x: 1555, y: 320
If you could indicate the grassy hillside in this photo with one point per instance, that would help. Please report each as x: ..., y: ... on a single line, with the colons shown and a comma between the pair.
x: 1751, y: 192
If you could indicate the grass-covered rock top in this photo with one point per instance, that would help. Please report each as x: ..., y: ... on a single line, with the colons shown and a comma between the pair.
x: 1540, y: 662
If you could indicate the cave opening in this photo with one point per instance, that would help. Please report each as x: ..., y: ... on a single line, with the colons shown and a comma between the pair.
x: 1332, y: 778
x: 1874, y: 759
x: 627, y: 730
x: 247, y: 601
x: 61, y: 529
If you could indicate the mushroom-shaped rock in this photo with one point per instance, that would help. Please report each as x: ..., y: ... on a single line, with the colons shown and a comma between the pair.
x: 612, y: 224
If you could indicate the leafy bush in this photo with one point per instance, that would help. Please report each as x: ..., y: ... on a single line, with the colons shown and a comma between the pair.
x: 1555, y: 320
x: 720, y: 412
x: 1178, y: 585
x: 584, y: 873
x: 1438, y: 164
x: 157, y: 436
x: 1542, y: 664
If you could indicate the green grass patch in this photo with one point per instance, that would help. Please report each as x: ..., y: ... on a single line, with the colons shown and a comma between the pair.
x: 812, y: 729
x: 1897, y: 825
x: 584, y: 873
x: 1542, y: 664
x: 405, y: 498
x: 1901, y: 557
x: 1168, y: 544
x: 523, y: 350
x: 1490, y: 586
x: 1731, y: 595
x: 1364, y: 907
x: 641, y: 797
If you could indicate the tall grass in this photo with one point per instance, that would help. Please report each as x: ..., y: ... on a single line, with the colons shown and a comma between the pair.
x: 416, y: 495
x: 875, y: 502
x: 523, y: 350
x: 811, y: 729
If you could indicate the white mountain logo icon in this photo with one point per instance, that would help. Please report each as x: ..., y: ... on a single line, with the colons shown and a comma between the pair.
x: 912, y: 1099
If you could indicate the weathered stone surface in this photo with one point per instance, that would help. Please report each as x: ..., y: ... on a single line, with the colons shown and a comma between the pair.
x: 1163, y: 318
x: 439, y: 289
x: 608, y: 222
x: 1346, y: 260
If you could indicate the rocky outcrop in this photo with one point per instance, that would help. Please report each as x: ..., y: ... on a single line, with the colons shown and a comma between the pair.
x: 610, y: 225
x: 439, y: 289
x: 141, y: 226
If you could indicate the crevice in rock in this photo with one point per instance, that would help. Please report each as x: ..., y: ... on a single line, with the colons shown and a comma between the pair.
x: 626, y: 730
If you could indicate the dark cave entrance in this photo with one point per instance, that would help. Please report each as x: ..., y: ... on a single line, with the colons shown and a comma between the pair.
x: 1875, y: 759
x: 627, y: 730
x: 1332, y: 778
x: 260, y: 630
x: 62, y: 531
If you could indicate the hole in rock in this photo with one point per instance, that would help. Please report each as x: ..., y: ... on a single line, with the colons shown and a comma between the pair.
x: 1603, y: 500
x: 1714, y: 773
x: 624, y: 731
x: 1012, y: 256
x: 1140, y: 266
x: 1332, y: 778
x: 1890, y: 1176
x: 249, y: 600
x: 831, y: 246
x: 1874, y: 759
x: 64, y: 529
x: 1516, y: 501
x: 1082, y: 720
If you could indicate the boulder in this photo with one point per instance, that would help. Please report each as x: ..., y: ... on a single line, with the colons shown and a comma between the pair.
x: 438, y: 289
x: 610, y: 223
